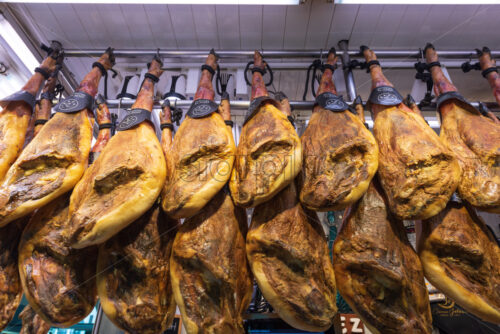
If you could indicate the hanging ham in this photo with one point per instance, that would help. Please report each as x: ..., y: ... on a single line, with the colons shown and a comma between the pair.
x: 32, y: 322
x: 10, y: 235
x: 340, y: 155
x: 133, y: 267
x: 17, y: 111
x: 460, y: 257
x: 269, y: 153
x: 473, y: 138
x: 210, y: 276
x: 287, y: 251
x: 55, y: 160
x: 490, y: 72
x: 417, y: 171
x: 378, y: 273
x: 126, y: 178
x: 58, y: 281
x: 203, y: 152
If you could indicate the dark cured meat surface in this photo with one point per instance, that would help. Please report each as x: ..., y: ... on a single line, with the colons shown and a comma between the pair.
x: 210, y: 275
x: 288, y: 254
x: 133, y: 279
x: 378, y: 273
x: 340, y: 155
x: 461, y: 258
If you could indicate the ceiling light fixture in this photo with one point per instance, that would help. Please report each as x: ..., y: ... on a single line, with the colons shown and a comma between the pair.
x: 10, y: 39
x: 172, y: 2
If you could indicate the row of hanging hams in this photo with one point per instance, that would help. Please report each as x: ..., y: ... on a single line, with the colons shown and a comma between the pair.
x: 75, y: 230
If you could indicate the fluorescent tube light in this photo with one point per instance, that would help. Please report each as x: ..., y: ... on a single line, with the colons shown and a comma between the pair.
x: 419, y: 2
x: 16, y: 44
x: 173, y: 2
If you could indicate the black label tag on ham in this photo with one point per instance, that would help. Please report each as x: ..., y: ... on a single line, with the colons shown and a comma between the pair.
x: 76, y: 102
x: 386, y: 96
x: 22, y: 95
x: 133, y: 118
x: 255, y: 105
x: 455, y: 95
x: 332, y: 102
x: 201, y: 108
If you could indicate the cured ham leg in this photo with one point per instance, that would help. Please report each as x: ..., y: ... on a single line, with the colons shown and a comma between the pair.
x: 474, y: 139
x: 15, y: 116
x: 340, y: 155
x: 32, y: 322
x: 55, y: 160
x: 203, y: 153
x: 417, y: 171
x: 10, y: 235
x: 126, y: 178
x: 288, y: 254
x: 490, y: 72
x: 210, y: 276
x: 461, y: 258
x: 42, y: 115
x: 133, y: 280
x: 378, y: 273
x: 269, y: 154
x: 10, y: 285
x: 59, y: 282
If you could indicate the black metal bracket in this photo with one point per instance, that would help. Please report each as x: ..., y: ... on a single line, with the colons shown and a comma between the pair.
x: 176, y: 115
x: 317, y: 64
x: 424, y: 75
x: 354, y: 63
x: 221, y: 81
x: 469, y: 66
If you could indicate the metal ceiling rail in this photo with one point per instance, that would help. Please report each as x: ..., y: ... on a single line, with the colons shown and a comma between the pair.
x: 397, y: 54
x: 244, y: 104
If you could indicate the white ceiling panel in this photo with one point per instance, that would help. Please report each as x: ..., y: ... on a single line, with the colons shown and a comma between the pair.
x: 342, y: 22
x: 228, y: 26
x: 364, y: 25
x: 163, y: 35
x: 316, y: 24
x: 411, y: 21
x: 297, y: 21
x: 91, y: 20
x: 318, y: 28
x: 250, y: 26
x: 139, y: 25
x: 273, y: 26
x: 205, y: 22
x: 388, y: 24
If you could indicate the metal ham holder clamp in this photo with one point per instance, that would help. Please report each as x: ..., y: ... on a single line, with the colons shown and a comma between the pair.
x: 81, y: 100
x: 123, y: 93
x: 469, y: 66
x: 256, y: 103
x: 55, y: 51
x: 263, y: 72
x: 425, y: 76
x: 316, y: 65
x: 221, y: 82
